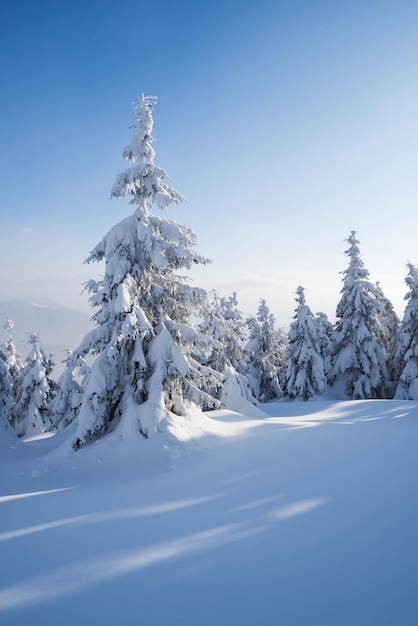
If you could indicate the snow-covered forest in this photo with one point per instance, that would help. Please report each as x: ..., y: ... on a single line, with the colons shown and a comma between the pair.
x: 161, y: 345
x: 194, y: 466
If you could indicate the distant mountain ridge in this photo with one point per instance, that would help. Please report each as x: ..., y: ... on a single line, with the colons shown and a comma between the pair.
x: 60, y: 328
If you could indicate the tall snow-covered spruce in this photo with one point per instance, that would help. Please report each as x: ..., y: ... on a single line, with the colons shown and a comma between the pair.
x: 6, y: 394
x: 406, y: 354
x: 304, y: 373
x: 267, y: 346
x: 13, y: 360
x: 147, y: 364
x: 357, y: 354
x: 389, y: 325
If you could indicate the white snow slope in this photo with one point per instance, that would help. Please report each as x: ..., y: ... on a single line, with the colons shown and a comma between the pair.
x: 308, y: 517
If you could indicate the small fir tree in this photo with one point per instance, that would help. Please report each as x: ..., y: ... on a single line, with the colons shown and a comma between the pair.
x: 214, y: 325
x: 67, y: 401
x: 266, y: 348
x: 6, y: 394
x: 389, y: 324
x: 357, y: 355
x: 34, y: 391
x: 303, y: 375
x: 145, y: 349
x: 224, y: 323
x: 325, y: 330
x: 13, y: 360
x: 234, y: 336
x: 406, y: 354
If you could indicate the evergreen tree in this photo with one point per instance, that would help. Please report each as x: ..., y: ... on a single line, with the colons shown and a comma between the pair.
x: 224, y: 323
x: 6, y: 394
x: 303, y: 375
x: 357, y: 356
x: 34, y: 391
x: 13, y: 360
x: 325, y: 330
x: 67, y: 401
x: 267, y: 348
x: 144, y: 346
x: 214, y: 325
x: 406, y: 354
x: 235, y: 336
x: 389, y: 324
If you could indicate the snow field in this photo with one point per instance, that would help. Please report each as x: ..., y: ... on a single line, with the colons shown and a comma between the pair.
x: 305, y: 517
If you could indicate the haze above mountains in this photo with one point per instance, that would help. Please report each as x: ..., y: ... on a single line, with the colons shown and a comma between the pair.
x: 60, y: 328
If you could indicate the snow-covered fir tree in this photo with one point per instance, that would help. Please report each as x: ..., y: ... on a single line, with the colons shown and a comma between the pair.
x: 234, y: 336
x: 389, y: 324
x: 214, y: 325
x: 13, y: 360
x: 303, y: 375
x: 34, y: 391
x: 6, y: 394
x: 357, y: 355
x: 266, y: 347
x: 67, y: 401
x: 406, y: 354
x: 325, y: 330
x: 146, y: 352
x: 224, y: 323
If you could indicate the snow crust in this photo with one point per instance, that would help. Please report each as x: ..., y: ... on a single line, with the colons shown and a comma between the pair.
x: 306, y: 515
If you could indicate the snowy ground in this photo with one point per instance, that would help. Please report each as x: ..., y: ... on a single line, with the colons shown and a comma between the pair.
x: 307, y: 517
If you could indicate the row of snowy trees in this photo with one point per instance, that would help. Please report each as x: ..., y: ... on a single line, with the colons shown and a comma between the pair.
x: 368, y: 353
x: 240, y: 357
x: 160, y: 345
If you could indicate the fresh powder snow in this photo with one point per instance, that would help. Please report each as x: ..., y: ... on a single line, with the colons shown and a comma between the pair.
x: 303, y: 514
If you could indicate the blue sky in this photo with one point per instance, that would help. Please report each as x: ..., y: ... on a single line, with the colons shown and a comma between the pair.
x: 286, y: 124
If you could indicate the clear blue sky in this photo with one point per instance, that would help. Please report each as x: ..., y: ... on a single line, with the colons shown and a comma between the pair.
x: 286, y: 124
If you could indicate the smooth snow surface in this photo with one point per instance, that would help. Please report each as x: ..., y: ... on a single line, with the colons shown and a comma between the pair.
x: 307, y: 517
